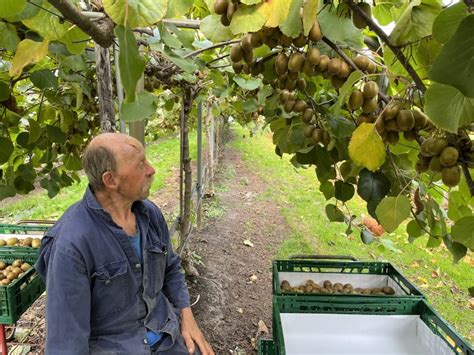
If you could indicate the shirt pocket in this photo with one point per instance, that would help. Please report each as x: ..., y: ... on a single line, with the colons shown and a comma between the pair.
x: 155, y: 262
x: 109, y: 284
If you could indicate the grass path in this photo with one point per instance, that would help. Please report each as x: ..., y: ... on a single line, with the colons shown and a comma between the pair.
x: 302, y: 204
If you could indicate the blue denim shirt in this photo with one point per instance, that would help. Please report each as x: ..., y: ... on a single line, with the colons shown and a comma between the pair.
x: 100, y: 299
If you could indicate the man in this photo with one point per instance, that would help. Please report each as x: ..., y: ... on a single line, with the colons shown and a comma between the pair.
x: 113, y: 283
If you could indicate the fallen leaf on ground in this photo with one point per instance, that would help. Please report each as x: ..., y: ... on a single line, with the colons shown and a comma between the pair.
x: 253, y: 278
x: 262, y: 327
x: 240, y: 310
x: 248, y: 243
x: 471, y: 304
x: 435, y: 274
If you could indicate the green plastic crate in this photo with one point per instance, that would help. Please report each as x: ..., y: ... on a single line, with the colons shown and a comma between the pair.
x: 20, y: 294
x: 265, y: 347
x: 24, y: 229
x: 346, y: 305
x: 319, y: 267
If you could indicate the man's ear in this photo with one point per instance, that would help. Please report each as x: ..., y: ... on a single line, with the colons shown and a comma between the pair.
x: 109, y: 181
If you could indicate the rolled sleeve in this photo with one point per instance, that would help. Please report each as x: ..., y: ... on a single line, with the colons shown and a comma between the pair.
x: 68, y: 303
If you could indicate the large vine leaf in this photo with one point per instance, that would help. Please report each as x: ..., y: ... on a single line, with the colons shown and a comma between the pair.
x: 8, y: 37
x: 345, y: 90
x: 343, y: 191
x: 131, y: 64
x: 6, y: 151
x: 339, y: 28
x: 250, y: 18
x: 277, y: 12
x: 310, y: 10
x: 48, y: 23
x: 447, y: 22
x: 135, y: 13
x: 143, y: 107
x: 10, y: 8
x: 44, y: 79
x: 416, y: 22
x: 75, y: 40
x: 463, y: 232
x: 392, y: 211
x: 385, y: 11
x: 455, y: 64
x: 28, y: 52
x: 4, y: 91
x: 448, y: 108
x: 178, y: 8
x: 214, y: 30
x: 292, y: 26
x: 366, y: 148
x: 372, y: 186
x: 250, y: 84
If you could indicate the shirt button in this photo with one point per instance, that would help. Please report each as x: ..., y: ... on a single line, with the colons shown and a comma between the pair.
x: 145, y: 341
x: 107, y: 282
x: 137, y: 266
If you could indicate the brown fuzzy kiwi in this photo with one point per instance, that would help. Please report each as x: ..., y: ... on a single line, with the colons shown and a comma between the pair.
x: 300, y: 106
x: 420, y: 119
x: 405, y: 120
x: 296, y: 62
x: 301, y: 84
x: 356, y: 100
x: 307, y: 115
x: 236, y: 52
x: 290, y: 84
x: 281, y: 63
x: 323, y: 63
x: 334, y: 66
x: 312, y: 55
x: 285, y: 41
x: 317, y: 135
x: 371, y: 68
x: 248, y: 57
x: 392, y: 126
x: 288, y: 106
x: 315, y: 33
x: 337, y: 82
x: 369, y: 105
x: 409, y: 135
x: 364, y: 119
x: 357, y: 19
x: 451, y: 175
x: 392, y: 137
x: 220, y: 7
x: 449, y: 156
x: 344, y: 70
x: 300, y: 41
x: 231, y: 9
x: 246, y: 43
x: 370, y: 89
x: 293, y: 75
x: 308, y: 131
x: 391, y: 111
x: 435, y: 164
x: 256, y: 39
x: 308, y: 69
x: 362, y: 62
x: 224, y: 20
x: 326, y: 138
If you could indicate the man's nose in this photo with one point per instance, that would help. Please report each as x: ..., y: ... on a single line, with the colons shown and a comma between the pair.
x: 151, y: 170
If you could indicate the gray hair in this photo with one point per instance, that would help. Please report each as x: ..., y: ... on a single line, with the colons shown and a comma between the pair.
x: 96, y: 161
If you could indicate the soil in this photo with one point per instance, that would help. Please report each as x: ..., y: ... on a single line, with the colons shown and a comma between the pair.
x: 232, y: 295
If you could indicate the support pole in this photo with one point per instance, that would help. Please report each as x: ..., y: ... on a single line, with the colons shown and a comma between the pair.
x: 118, y: 83
x: 104, y: 89
x: 199, y: 167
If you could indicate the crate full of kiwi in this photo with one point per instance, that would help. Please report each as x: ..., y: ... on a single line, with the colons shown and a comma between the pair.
x: 347, y: 325
x: 20, y: 284
x: 340, y: 278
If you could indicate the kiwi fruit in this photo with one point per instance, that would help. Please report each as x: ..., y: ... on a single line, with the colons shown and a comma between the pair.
x: 433, y: 146
x: 290, y: 84
x: 288, y: 106
x: 3, y: 265
x: 307, y: 115
x: 364, y: 119
x: 409, y: 135
x: 315, y: 33
x: 27, y: 241
x: 391, y: 111
x: 327, y: 284
x: 256, y: 39
x: 16, y: 263
x: 224, y: 20
x: 2, y: 243
x: 284, y: 96
x: 422, y: 165
x: 246, y: 43
x: 281, y: 63
x: 36, y: 243
x: 220, y: 7
x: 356, y: 100
x: 371, y: 68
x: 334, y: 66
x: 337, y: 82
x: 369, y: 105
x: 392, y: 126
x: 405, y: 120
x: 5, y: 282
x: 357, y: 19
x: 308, y: 131
x: 344, y: 69
x: 449, y: 156
x: 326, y: 138
x: 435, y: 164
x: 420, y: 119
x: 392, y: 137
x: 237, y: 67
x: 308, y: 68
x: 231, y: 9
x: 236, y: 53
x: 312, y: 55
x: 300, y: 41
x: 12, y: 241
x: 451, y: 175
x: 248, y: 57
x: 323, y: 63
x: 300, y: 106
x: 318, y: 136
x: 293, y: 75
x: 285, y: 41
x: 301, y: 84
x: 370, y: 89
x: 388, y: 290
x: 380, y: 126
x: 338, y: 286
x: 362, y: 62
x: 296, y: 62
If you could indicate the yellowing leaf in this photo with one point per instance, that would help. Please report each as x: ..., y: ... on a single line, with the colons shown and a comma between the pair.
x: 310, y: 9
x: 423, y: 280
x: 278, y: 12
x: 136, y: 13
x: 366, y: 147
x: 47, y: 22
x: 249, y: 18
x: 28, y: 52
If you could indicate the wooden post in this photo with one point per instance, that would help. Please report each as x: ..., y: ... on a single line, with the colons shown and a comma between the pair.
x: 199, y: 181
x: 118, y: 83
x: 104, y: 89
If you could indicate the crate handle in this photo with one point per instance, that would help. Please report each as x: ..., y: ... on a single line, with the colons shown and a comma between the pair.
x: 322, y: 257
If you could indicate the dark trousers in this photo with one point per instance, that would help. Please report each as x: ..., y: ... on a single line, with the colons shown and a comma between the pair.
x: 178, y: 348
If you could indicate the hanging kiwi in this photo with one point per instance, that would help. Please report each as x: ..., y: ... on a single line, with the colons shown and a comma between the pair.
x: 300, y: 41
x: 307, y: 115
x: 281, y: 63
x: 357, y: 19
x: 370, y: 89
x: 405, y: 120
x: 246, y: 43
x: 435, y: 164
x: 315, y: 33
x: 362, y: 62
x: 308, y: 131
x: 451, y: 176
x: 300, y: 106
x: 231, y: 9
x: 356, y: 100
x: 449, y: 156
x: 369, y: 105
x: 313, y: 55
x: 236, y: 53
x: 220, y: 7
x: 296, y: 62
x: 323, y: 63
x: 391, y: 111
x: 317, y: 136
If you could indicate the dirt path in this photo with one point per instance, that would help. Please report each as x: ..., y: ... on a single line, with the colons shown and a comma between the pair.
x: 231, y: 306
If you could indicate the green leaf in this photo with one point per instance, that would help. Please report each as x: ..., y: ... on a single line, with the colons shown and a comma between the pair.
x: 372, y: 186
x: 214, y: 30
x: 22, y: 140
x: 178, y: 8
x: 75, y: 40
x: 44, y: 79
x: 187, y: 65
x: 35, y: 131
x: 23, y: 186
x: 327, y: 188
x: 455, y: 64
x: 143, y: 107
x: 6, y: 191
x: 416, y: 22
x: 392, y: 211
x: 463, y: 232
x: 4, y: 91
x: 8, y: 37
x: 10, y: 8
x: 250, y: 2
x: 131, y: 64
x: 339, y: 28
x: 340, y: 126
x: 458, y: 250
x: 448, y: 108
x: 366, y: 236
x: 447, y: 22
x: 263, y: 93
x: 433, y: 242
x: 250, y: 18
x: 310, y: 9
x: 250, y: 84
x: 334, y: 213
x: 72, y: 162
x: 458, y: 205
x: 28, y: 52
x: 386, y: 11
x: 55, y: 134
x: 345, y: 90
x: 135, y: 13
x: 344, y: 191
x: 366, y: 148
x: 292, y: 26
x: 388, y: 244
x: 50, y: 185
x: 47, y: 23
x: 414, y: 229
x: 6, y: 151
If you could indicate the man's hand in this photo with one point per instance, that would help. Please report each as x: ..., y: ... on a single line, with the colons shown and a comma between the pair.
x: 192, y: 334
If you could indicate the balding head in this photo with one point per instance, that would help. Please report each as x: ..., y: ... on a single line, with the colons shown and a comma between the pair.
x: 103, y: 154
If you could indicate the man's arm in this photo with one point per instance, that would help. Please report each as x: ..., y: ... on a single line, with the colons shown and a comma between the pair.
x: 192, y: 334
x: 67, y: 304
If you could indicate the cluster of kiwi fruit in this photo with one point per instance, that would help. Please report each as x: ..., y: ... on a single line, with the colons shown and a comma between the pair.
x: 26, y: 242
x: 227, y: 9
x: 9, y: 273
x: 337, y: 288
x: 438, y: 156
x: 357, y: 19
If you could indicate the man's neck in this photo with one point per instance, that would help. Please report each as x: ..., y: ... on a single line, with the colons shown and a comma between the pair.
x: 119, y: 209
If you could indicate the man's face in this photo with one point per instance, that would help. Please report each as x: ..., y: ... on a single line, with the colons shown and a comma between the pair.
x: 134, y: 173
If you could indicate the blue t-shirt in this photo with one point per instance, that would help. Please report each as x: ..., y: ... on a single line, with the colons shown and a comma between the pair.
x: 152, y: 337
